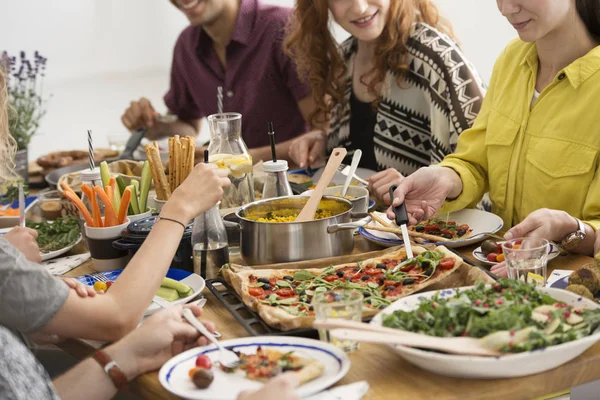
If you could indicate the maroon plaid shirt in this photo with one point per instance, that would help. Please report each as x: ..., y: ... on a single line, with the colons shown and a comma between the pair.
x: 260, y: 81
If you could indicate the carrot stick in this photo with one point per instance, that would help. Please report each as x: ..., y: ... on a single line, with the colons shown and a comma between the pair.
x: 110, y: 218
x: 124, y: 205
x: 110, y: 193
x: 95, y: 210
x: 80, y: 206
x: 66, y: 187
x: 96, y: 216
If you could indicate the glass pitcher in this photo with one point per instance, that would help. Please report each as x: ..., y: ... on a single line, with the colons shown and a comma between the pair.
x: 228, y: 150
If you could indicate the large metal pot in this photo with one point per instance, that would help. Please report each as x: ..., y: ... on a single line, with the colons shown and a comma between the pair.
x: 278, y: 242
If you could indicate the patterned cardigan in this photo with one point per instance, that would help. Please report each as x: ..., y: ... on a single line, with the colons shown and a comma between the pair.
x: 418, y: 123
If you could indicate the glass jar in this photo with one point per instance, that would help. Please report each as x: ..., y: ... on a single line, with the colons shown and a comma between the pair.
x: 228, y: 150
x: 276, y: 181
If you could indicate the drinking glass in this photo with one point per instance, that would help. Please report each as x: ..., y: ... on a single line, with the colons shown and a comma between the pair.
x: 526, y: 259
x: 338, y: 304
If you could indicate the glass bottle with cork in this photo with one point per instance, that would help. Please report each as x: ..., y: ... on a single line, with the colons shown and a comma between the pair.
x: 209, y: 241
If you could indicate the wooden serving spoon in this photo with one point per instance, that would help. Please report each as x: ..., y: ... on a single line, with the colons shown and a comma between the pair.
x: 361, y: 332
x: 310, y: 208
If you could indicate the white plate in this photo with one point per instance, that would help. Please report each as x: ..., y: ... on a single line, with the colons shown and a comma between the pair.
x: 52, y: 254
x: 479, y: 221
x: 194, y: 281
x: 508, y: 366
x: 478, y: 254
x: 174, y: 374
x: 59, y: 252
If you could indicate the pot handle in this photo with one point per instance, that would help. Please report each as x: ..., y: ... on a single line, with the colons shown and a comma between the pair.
x: 122, y: 245
x: 351, y: 225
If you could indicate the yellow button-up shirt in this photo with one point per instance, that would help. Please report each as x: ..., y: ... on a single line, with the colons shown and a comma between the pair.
x: 532, y: 157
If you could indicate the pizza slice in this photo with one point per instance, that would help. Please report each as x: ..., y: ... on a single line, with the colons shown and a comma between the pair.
x: 440, y: 230
x: 267, y: 363
x: 283, y: 297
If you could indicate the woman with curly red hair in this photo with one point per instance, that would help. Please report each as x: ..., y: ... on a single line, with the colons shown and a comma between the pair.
x: 399, y: 88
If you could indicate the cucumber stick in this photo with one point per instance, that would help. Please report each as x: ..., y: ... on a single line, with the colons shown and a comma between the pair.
x: 121, y: 183
x: 183, y: 289
x: 167, y: 293
x: 116, y: 199
x: 134, y: 207
x: 104, y: 173
x: 145, y: 185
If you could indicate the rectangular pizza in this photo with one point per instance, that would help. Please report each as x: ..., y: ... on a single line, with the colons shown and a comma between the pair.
x: 283, y: 297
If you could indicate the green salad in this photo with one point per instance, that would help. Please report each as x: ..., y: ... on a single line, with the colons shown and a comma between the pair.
x: 511, y: 316
x: 56, y: 235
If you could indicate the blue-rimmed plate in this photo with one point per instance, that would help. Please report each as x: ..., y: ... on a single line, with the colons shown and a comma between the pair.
x: 479, y: 221
x: 194, y: 281
x: 174, y: 373
x: 478, y: 254
x: 563, y: 282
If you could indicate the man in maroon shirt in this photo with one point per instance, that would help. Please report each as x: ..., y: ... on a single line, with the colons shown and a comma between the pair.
x: 235, y: 44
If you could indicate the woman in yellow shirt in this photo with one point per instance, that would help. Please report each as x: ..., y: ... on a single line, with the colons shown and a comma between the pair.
x: 535, y: 143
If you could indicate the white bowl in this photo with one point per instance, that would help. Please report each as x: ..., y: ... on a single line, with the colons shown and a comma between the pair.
x: 359, y: 194
x: 508, y: 366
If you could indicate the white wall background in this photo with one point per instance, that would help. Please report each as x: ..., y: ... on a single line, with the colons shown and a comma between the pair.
x: 104, y: 53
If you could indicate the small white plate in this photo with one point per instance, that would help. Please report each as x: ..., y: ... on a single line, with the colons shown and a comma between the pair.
x: 194, y: 281
x: 478, y: 254
x: 52, y: 254
x: 174, y: 377
x: 59, y: 252
x: 479, y: 221
x: 508, y: 366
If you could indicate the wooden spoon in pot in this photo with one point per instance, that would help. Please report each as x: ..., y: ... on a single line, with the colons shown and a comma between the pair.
x: 310, y: 208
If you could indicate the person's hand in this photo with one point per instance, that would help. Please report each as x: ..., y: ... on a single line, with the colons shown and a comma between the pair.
x: 158, y: 339
x: 24, y: 239
x: 500, y: 270
x: 309, y: 149
x: 552, y: 225
x: 424, y: 191
x: 201, y: 190
x: 139, y: 114
x: 81, y: 289
x: 597, y: 247
x: 379, y: 184
x: 280, y: 388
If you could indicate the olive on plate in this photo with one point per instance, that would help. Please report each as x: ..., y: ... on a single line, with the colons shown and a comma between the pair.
x: 489, y: 246
x: 202, y: 378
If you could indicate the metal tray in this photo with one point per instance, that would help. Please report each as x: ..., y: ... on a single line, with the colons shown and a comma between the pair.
x: 250, y: 320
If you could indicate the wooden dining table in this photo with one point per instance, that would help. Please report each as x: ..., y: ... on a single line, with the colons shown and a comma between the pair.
x: 390, y: 376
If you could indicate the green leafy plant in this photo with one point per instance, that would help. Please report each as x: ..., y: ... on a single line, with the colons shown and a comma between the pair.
x: 25, y: 95
x: 11, y: 192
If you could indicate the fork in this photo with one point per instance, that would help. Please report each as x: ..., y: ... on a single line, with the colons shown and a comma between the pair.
x: 228, y: 358
x: 99, y: 276
x: 345, y: 170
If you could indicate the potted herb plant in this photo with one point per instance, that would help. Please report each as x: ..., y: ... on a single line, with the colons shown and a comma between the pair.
x: 27, y: 104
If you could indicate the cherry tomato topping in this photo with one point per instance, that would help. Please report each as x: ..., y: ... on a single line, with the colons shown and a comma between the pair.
x: 256, y: 291
x: 447, y: 263
x: 285, y: 292
x: 430, y: 228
